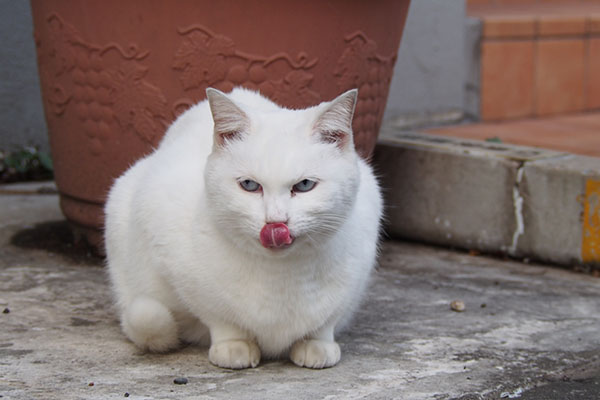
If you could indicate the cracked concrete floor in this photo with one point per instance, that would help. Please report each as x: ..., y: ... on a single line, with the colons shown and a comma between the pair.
x: 524, y: 326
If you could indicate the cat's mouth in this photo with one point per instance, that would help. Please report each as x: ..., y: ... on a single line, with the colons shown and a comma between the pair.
x: 276, y: 236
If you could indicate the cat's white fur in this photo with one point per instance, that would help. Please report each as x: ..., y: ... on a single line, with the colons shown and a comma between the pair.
x: 182, y: 237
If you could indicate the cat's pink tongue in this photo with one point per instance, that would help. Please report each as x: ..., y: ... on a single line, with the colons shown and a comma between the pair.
x: 273, y: 236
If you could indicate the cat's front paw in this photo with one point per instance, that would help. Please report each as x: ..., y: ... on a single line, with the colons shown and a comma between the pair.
x: 315, y: 353
x: 234, y: 354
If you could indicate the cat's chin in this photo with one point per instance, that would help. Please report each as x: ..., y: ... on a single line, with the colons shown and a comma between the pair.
x: 282, y: 251
x: 279, y: 249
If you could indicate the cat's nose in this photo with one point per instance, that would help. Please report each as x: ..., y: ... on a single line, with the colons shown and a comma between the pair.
x: 276, y: 222
x: 275, y: 210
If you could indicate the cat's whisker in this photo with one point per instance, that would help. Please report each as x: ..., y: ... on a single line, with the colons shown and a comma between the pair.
x: 313, y: 242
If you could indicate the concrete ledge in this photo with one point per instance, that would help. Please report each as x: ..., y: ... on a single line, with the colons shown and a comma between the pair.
x: 561, y: 209
x: 520, y: 201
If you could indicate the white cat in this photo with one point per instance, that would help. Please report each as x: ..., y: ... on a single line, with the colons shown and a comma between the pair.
x: 255, y: 233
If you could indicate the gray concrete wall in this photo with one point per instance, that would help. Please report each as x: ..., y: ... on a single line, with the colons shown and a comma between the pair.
x: 21, y: 113
x: 428, y: 83
x: 429, y: 77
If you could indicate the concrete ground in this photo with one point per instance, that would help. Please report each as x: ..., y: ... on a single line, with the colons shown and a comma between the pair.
x: 527, y: 331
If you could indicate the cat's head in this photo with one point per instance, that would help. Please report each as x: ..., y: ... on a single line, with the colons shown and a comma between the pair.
x: 280, y: 180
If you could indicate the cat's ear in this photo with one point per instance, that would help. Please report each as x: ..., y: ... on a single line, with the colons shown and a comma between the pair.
x: 230, y: 121
x: 334, y: 125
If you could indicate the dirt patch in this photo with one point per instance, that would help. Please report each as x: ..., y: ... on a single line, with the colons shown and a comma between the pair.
x: 57, y: 237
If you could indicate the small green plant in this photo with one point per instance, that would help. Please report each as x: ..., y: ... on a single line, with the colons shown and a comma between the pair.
x: 494, y: 139
x: 26, y: 164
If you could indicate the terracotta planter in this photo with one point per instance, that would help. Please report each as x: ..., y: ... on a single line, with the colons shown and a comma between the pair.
x: 115, y: 73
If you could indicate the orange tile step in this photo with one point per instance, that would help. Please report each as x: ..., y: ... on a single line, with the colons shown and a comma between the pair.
x: 578, y: 134
x: 538, y: 57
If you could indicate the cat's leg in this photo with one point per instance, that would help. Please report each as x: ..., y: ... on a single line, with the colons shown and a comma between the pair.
x: 231, y: 347
x: 150, y: 324
x: 319, y: 350
x: 191, y: 329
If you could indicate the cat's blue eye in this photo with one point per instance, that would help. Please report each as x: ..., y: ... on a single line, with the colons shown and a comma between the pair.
x: 249, y: 185
x: 305, y: 185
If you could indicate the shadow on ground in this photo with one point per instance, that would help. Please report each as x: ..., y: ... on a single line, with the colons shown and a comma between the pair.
x: 57, y: 237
